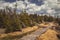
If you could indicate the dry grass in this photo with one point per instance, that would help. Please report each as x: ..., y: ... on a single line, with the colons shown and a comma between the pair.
x: 2, y: 30
x: 49, y: 35
x: 25, y: 30
x: 47, y: 24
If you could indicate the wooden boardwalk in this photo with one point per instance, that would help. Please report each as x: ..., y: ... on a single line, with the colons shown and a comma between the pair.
x: 35, y: 34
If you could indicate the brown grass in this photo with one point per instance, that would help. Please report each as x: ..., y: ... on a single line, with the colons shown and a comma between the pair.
x: 25, y: 30
x: 49, y: 35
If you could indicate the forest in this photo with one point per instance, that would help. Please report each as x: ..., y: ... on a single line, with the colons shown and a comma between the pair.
x: 13, y: 21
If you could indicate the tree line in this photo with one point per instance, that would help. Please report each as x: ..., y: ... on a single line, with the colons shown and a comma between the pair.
x: 13, y: 21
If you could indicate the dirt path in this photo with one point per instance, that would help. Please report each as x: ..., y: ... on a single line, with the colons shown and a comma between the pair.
x: 35, y: 34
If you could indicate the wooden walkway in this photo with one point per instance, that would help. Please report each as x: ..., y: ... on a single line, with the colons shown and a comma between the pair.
x: 35, y: 34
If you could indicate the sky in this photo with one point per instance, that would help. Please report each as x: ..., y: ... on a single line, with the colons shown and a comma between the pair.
x: 10, y: 0
x: 34, y: 6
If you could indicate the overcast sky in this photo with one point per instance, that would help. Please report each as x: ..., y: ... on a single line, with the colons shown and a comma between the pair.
x: 33, y: 6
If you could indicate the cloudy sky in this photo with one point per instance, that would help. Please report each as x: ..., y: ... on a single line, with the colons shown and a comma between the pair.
x: 33, y: 6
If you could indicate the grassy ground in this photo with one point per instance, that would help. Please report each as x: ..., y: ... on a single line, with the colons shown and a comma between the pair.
x: 49, y: 35
x: 2, y: 30
x: 16, y: 35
